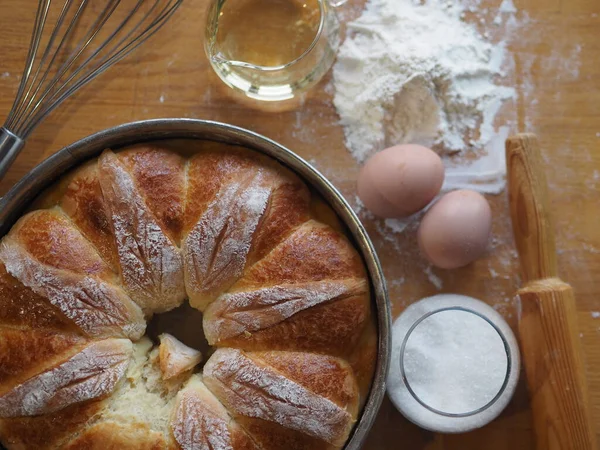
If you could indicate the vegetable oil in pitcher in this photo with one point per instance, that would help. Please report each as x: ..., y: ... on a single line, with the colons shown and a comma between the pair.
x: 271, y: 49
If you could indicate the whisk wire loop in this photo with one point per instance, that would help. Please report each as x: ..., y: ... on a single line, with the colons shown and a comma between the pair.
x: 38, y: 28
x: 72, y: 58
x: 30, y: 98
x: 68, y: 62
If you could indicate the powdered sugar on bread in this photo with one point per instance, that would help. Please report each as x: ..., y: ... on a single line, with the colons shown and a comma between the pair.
x: 151, y: 265
x: 98, y: 308
x: 243, y: 312
x: 217, y: 247
x: 90, y: 374
x: 250, y: 389
x: 201, y: 422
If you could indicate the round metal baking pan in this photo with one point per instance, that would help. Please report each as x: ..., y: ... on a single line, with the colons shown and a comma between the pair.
x: 20, y: 196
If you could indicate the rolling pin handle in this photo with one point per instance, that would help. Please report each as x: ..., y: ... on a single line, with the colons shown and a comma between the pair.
x: 529, y: 208
x: 550, y: 342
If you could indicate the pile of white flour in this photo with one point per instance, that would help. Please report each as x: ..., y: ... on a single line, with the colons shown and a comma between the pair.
x: 416, y: 72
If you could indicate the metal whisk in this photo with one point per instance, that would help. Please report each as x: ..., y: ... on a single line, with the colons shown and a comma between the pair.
x: 88, y: 37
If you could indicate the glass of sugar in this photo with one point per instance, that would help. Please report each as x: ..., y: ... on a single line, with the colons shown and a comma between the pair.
x: 455, y: 364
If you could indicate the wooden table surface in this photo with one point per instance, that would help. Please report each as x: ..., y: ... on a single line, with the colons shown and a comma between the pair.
x: 553, y: 61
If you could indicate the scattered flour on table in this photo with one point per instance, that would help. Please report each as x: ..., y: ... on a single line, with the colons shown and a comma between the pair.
x: 507, y: 6
x: 411, y: 72
x: 399, y: 53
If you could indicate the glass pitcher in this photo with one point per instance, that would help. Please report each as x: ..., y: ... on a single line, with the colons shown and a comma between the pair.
x: 272, y: 50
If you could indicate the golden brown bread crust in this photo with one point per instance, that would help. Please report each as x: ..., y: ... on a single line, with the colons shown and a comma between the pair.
x: 271, y: 436
x: 48, y: 431
x: 84, y: 203
x: 288, y: 208
x: 98, y: 308
x: 28, y: 352
x: 328, y: 377
x: 207, y: 172
x: 239, y: 206
x: 91, y: 373
x: 200, y: 422
x: 312, y: 252
x: 251, y: 388
x: 331, y: 328
x: 363, y: 359
x: 323, y: 213
x: 21, y: 307
x: 160, y: 175
x: 126, y: 220
x: 114, y: 436
x: 151, y: 264
x: 49, y: 237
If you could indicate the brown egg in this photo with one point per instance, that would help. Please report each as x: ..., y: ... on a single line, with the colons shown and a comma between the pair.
x: 455, y: 231
x: 400, y: 180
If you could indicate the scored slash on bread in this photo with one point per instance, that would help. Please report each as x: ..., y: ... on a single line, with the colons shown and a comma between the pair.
x: 308, y: 293
x: 237, y: 217
x: 89, y: 374
x: 244, y: 313
x: 252, y: 389
x: 284, y: 297
x: 151, y: 264
x: 50, y: 238
x: 200, y: 421
x: 21, y: 308
x: 98, y: 308
x: 216, y: 249
x: 25, y: 353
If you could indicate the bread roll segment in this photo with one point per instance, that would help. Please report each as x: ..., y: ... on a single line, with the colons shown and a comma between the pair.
x: 84, y: 203
x: 216, y: 248
x: 239, y: 206
x: 244, y: 313
x: 250, y: 388
x: 98, y: 308
x: 115, y: 436
x: 201, y: 422
x: 285, y: 301
x: 25, y: 353
x: 22, y: 308
x: 91, y: 373
x: 309, y: 293
x: 41, y: 432
x: 50, y: 238
x: 151, y: 264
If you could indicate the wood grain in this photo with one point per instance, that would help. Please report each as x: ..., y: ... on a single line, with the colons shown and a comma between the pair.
x: 548, y: 324
x: 528, y: 201
x: 554, y: 366
x: 553, y: 62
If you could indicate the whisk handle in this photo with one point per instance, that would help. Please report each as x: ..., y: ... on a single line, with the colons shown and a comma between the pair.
x: 10, y: 146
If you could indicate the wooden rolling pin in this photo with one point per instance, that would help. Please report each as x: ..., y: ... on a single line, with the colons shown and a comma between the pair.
x: 548, y: 324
